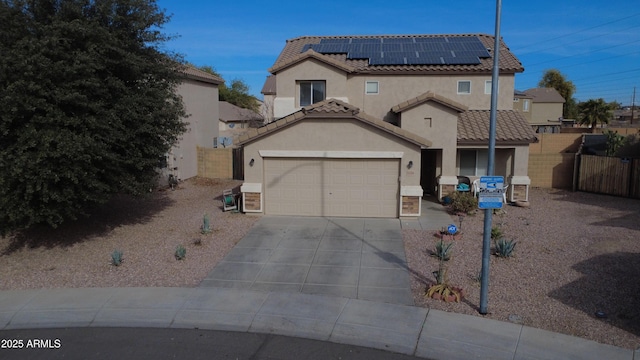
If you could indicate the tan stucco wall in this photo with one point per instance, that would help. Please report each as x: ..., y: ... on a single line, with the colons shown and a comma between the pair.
x: 332, y: 135
x: 393, y: 89
x: 519, y: 105
x: 201, y: 102
x: 542, y: 112
x: 287, y: 88
x: 441, y: 130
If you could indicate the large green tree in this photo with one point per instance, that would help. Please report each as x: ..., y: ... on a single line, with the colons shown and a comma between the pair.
x: 87, y: 105
x: 594, y: 112
x: 236, y: 94
x: 553, y: 78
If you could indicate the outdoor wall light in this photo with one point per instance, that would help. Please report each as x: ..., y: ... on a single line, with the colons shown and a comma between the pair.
x: 410, y: 164
x: 251, y: 162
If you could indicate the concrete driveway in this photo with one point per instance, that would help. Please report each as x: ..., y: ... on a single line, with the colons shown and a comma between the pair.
x: 347, y: 257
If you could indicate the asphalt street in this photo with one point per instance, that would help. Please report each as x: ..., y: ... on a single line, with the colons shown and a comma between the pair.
x: 150, y: 343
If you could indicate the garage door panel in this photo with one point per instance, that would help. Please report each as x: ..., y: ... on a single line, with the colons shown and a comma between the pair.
x: 332, y: 187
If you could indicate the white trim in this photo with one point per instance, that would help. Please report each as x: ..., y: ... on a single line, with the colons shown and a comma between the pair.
x: 487, y: 91
x: 251, y: 187
x: 332, y: 154
x: 458, y: 87
x: 411, y: 191
x: 371, y: 82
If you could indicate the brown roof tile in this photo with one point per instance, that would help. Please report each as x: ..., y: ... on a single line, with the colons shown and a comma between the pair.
x: 545, y: 95
x: 269, y: 87
x: 428, y: 96
x: 336, y: 108
x: 199, y: 75
x: 292, y: 53
x: 311, y: 54
x: 511, y: 127
x: 233, y: 113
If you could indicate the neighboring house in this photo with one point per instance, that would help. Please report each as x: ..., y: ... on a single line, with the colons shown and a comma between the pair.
x: 269, y: 95
x: 234, y: 121
x: 542, y: 107
x: 199, y: 91
x: 627, y: 117
x: 415, y: 107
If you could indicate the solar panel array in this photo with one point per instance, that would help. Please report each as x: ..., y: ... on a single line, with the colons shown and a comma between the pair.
x: 450, y: 50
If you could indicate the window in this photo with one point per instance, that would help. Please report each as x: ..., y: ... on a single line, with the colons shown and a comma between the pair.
x: 311, y: 92
x: 464, y: 87
x: 487, y: 87
x: 525, y: 105
x: 473, y: 162
x: 371, y: 87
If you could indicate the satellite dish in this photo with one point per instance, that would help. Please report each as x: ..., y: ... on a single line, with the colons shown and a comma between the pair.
x: 231, y: 125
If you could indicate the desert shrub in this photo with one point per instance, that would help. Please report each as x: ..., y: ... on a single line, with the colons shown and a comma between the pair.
x: 463, y: 202
x: 496, y: 233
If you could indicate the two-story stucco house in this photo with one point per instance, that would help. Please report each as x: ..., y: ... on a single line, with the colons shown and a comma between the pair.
x: 199, y: 92
x: 366, y: 125
x: 542, y: 107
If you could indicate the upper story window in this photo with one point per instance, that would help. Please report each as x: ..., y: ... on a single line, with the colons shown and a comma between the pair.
x: 371, y: 87
x: 487, y: 87
x: 525, y: 105
x: 464, y: 87
x: 312, y: 92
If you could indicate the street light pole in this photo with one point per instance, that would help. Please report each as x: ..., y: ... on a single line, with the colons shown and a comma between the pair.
x: 486, y: 238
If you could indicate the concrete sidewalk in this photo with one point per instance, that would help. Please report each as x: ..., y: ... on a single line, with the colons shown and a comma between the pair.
x: 399, y: 328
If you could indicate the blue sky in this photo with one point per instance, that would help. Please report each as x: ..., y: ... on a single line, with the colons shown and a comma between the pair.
x: 595, y: 44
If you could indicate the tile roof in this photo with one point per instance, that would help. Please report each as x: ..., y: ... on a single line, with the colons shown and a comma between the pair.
x: 332, y: 108
x: 310, y: 54
x: 269, y: 87
x: 292, y: 54
x: 545, y: 95
x: 199, y: 75
x: 511, y: 128
x: 428, y: 96
x: 232, y: 113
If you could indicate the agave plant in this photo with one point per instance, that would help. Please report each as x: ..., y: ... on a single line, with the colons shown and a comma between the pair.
x: 116, y: 258
x: 181, y: 252
x: 443, y: 250
x: 504, y: 248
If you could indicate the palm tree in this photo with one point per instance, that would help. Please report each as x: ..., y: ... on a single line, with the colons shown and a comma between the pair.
x: 593, y: 112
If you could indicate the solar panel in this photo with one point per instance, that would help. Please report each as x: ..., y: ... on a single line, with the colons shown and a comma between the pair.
x: 453, y: 50
x: 334, y: 41
x: 392, y: 47
x: 404, y: 40
x: 357, y: 55
x: 367, y: 41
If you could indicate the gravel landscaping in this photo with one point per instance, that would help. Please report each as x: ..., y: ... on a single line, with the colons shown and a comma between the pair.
x: 576, y: 254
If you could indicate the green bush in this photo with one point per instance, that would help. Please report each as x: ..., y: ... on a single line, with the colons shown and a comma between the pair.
x: 463, y: 202
x: 496, y: 233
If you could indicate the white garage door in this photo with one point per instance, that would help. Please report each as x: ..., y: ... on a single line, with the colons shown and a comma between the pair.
x: 332, y: 187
